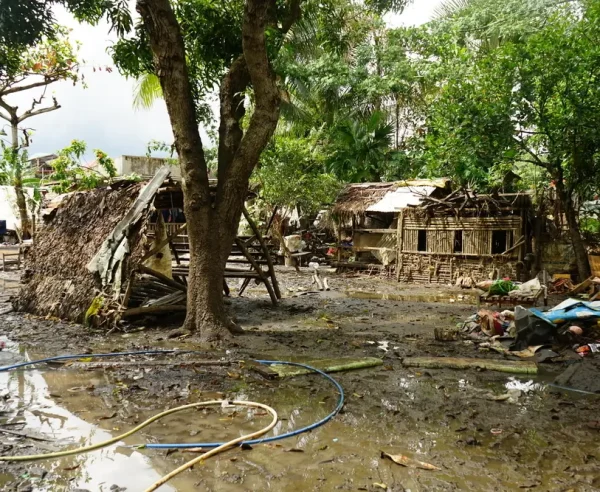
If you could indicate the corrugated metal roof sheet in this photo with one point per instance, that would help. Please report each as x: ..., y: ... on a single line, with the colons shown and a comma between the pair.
x: 401, y: 198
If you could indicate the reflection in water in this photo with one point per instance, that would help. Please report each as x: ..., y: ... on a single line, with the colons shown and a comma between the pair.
x: 98, y: 470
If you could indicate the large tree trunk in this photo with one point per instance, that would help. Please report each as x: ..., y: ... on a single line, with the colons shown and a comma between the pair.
x: 581, y: 257
x: 205, y: 308
x: 213, y: 217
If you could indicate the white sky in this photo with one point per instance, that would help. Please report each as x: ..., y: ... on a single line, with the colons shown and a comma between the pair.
x: 102, y: 114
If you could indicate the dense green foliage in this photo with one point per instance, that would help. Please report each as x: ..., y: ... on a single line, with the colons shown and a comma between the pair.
x: 71, y: 173
x: 291, y: 174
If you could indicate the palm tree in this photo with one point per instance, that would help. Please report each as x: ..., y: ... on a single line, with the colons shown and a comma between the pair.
x: 360, y: 148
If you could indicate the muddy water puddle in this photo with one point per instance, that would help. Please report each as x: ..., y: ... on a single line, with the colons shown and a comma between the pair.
x: 415, y: 296
x: 444, y: 418
x: 57, y: 407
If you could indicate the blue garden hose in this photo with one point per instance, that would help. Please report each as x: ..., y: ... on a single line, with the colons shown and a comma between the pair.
x: 81, y: 356
x: 308, y: 428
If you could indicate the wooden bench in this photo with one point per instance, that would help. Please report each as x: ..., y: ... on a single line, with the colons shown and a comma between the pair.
x: 11, y: 256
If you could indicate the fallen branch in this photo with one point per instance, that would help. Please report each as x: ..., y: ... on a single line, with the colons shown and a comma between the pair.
x: 514, y: 367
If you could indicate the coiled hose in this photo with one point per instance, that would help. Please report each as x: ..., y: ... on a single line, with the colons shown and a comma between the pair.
x: 217, y: 447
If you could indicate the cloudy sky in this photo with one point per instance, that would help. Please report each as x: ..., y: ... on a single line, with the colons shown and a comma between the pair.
x: 102, y: 115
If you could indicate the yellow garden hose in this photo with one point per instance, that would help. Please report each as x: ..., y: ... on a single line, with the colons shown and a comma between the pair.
x: 166, y: 478
x: 222, y: 447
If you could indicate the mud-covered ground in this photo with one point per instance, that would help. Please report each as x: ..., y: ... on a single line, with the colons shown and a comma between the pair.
x: 484, y: 430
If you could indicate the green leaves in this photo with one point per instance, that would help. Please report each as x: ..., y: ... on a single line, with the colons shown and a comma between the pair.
x: 71, y: 174
x: 291, y: 173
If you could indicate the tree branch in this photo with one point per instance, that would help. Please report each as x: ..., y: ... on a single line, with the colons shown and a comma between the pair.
x: 168, y: 51
x: 11, y: 110
x: 266, y: 108
x: 536, y: 158
x: 294, y: 14
x: 232, y: 111
x: 4, y: 117
x: 31, y: 112
x: 47, y: 81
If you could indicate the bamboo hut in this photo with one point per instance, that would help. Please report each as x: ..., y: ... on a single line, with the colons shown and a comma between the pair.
x: 424, y: 232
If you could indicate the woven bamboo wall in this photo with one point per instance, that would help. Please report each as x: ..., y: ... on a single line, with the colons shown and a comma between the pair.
x: 476, y: 235
x: 444, y: 269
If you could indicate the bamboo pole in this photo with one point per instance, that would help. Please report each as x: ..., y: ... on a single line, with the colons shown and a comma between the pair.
x: 400, y: 246
x: 327, y: 365
x: 513, y: 367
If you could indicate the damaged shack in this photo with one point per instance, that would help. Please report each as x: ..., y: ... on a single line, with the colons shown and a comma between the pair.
x: 122, y: 251
x: 425, y: 232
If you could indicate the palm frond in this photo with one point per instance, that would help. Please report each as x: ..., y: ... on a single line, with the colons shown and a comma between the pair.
x: 146, y: 92
x: 449, y: 8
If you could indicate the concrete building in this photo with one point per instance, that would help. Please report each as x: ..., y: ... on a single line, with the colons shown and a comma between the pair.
x: 145, y: 166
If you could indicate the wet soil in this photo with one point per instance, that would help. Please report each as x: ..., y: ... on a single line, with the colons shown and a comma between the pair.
x: 485, y: 430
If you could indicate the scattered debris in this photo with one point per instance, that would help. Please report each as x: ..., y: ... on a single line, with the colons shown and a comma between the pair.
x: 400, y: 459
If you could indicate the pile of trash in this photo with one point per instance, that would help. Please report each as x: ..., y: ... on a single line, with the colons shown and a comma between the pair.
x: 572, y: 324
x: 485, y: 324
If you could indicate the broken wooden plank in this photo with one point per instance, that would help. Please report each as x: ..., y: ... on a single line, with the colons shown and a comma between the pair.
x: 514, y: 367
x: 262, y: 369
x: 326, y: 365
x: 163, y: 278
x: 582, y: 286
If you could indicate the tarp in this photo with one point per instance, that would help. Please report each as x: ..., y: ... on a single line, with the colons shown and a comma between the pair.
x: 402, y: 197
x: 8, y: 206
x: 569, y: 310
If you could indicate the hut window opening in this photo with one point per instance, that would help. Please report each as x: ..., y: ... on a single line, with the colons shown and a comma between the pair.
x: 499, y: 242
x: 458, y: 242
x: 422, y: 240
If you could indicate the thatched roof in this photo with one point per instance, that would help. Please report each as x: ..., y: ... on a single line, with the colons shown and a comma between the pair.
x: 358, y: 198
x: 58, y: 282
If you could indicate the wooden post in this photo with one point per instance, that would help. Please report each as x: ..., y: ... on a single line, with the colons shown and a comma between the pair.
x: 263, y: 245
x: 399, y: 245
x: 164, y: 242
x: 128, y: 290
x: 339, y: 244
